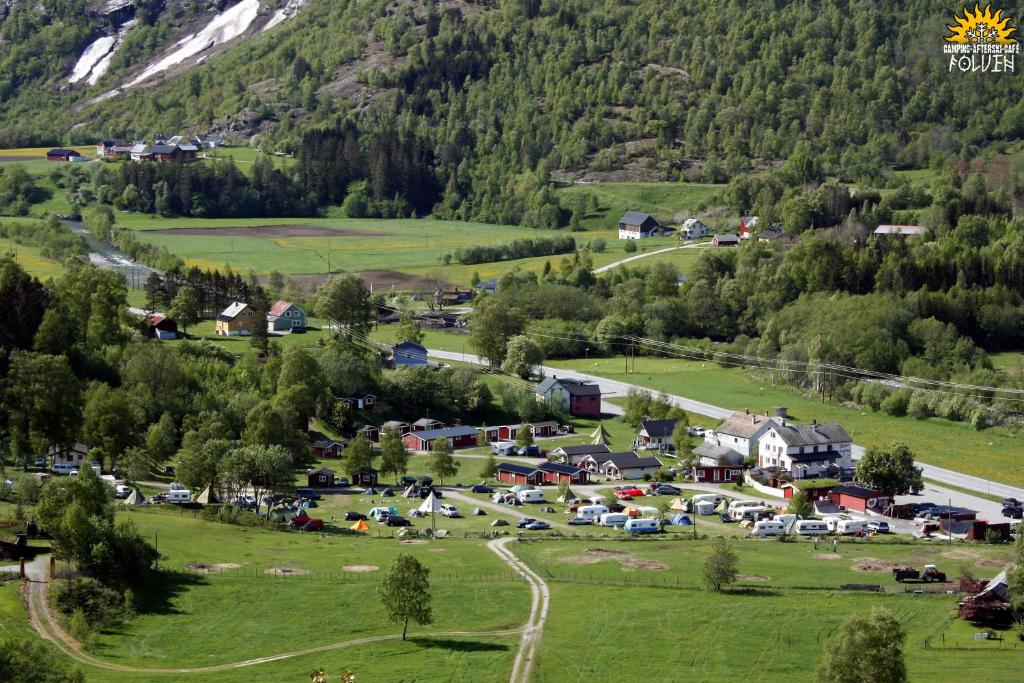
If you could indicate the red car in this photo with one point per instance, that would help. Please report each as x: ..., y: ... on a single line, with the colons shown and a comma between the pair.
x: 633, y: 491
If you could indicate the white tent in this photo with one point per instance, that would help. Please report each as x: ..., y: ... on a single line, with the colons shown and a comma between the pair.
x: 430, y: 505
x: 411, y: 492
x: 135, y: 498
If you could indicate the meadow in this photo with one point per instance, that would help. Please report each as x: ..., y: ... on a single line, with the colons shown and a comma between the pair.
x: 666, y: 201
x: 30, y: 258
x: 993, y: 453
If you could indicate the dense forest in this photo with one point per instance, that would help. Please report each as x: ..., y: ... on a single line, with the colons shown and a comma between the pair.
x: 495, y: 98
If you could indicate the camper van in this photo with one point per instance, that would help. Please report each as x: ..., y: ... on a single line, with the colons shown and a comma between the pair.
x: 641, y: 526
x: 748, y: 512
x: 738, y: 504
x: 591, y: 512
x: 832, y: 522
x: 768, y: 527
x: 713, y: 498
x: 530, y: 496
x: 850, y: 526
x: 811, y: 527
x: 613, y: 519
x: 178, y: 496
x: 62, y: 468
x: 503, y: 448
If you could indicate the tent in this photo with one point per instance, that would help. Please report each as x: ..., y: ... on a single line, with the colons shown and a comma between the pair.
x: 632, y: 511
x: 412, y: 492
x: 567, y: 496
x: 477, y: 512
x: 499, y: 522
x: 307, y: 504
x: 600, y: 436
x: 430, y: 504
x: 207, y: 497
x: 135, y: 498
x: 705, y: 507
x: 680, y: 504
x: 370, y: 492
x: 682, y: 520
x: 723, y: 506
x: 360, y: 525
x: 416, y: 513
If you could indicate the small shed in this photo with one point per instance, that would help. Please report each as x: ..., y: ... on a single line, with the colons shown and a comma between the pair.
x: 159, y: 326
x: 860, y: 498
x: 328, y: 448
x: 322, y: 477
x: 366, y: 478
x: 726, y: 240
x: 13, y: 546
x: 372, y: 433
x: 543, y: 429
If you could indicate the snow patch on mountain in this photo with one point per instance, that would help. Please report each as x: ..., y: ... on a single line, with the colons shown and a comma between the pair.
x: 224, y: 27
x: 286, y: 12
x: 92, y: 55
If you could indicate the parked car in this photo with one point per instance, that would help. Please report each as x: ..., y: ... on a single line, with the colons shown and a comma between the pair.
x: 579, y: 521
x: 566, y: 429
x: 1013, y: 512
x: 696, y: 431
x: 525, y: 522
x: 341, y: 481
x: 313, y: 525
x: 878, y: 527
x: 449, y: 510
x: 308, y: 493
x: 532, y: 449
x: 169, y: 471
x: 353, y: 516
x: 397, y: 520
x: 538, y: 525
x: 245, y: 502
x: 667, y: 490
x: 480, y: 488
x: 159, y: 498
x: 122, y: 491
x: 616, y: 507
x: 40, y: 462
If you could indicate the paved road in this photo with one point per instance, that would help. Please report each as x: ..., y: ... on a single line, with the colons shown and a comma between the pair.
x: 620, y: 262
x: 612, y: 388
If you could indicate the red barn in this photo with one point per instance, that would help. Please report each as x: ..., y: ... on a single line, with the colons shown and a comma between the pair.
x: 520, y: 474
x: 458, y: 437
x: 328, y: 448
x: 508, y: 433
x: 61, y: 154
x: 576, y: 397
x: 860, y: 498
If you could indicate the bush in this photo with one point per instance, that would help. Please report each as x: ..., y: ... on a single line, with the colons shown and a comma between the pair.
x: 896, y: 403
x: 630, y: 247
x: 919, y: 407
x: 598, y: 245
x: 662, y: 475
x: 993, y: 537
x: 647, y: 476
x: 87, y: 602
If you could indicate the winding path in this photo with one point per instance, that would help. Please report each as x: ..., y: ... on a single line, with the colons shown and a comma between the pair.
x: 35, y: 592
x: 616, y: 264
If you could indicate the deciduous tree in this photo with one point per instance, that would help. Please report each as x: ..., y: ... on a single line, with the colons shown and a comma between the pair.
x: 394, y: 455
x: 345, y: 301
x: 440, y: 462
x: 358, y: 455
x: 847, y: 658
x: 405, y: 592
x: 890, y: 470
x: 720, y: 567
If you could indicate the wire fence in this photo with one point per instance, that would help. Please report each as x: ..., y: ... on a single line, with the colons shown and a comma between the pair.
x: 365, y: 574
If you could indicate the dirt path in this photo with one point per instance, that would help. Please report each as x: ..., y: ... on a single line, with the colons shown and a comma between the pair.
x: 630, y: 259
x: 539, y: 601
x: 35, y: 593
x: 501, y: 509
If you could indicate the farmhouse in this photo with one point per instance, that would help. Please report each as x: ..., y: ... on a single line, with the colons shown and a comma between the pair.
x: 655, y: 433
x: 61, y: 154
x: 359, y: 402
x: 159, y: 326
x: 140, y: 152
x: 112, y: 149
x: 238, y: 319
x: 580, y: 399
x: 717, y: 463
x: 902, y: 230
x: 692, y: 229
x: 519, y: 474
x: 635, y: 225
x: 73, y: 455
x: 409, y: 354
x: 425, y: 424
x: 555, y: 473
x: 573, y: 455
x: 807, y: 450
x: 284, y: 316
x: 860, y: 498
x: 726, y: 240
x: 488, y: 286
x: 458, y: 437
x: 740, y: 431
x: 320, y: 478
x: 770, y: 235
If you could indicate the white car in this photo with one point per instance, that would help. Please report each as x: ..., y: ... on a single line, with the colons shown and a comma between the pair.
x: 122, y: 491
x: 448, y: 510
x: 879, y: 527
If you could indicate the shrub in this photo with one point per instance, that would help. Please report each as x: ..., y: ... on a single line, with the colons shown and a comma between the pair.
x: 86, y: 601
x: 896, y: 403
x: 919, y: 406
x: 598, y: 245
x: 630, y: 247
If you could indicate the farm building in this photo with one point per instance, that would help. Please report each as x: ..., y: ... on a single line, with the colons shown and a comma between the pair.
x: 740, y: 431
x: 487, y: 286
x: 717, y: 463
x: 366, y: 478
x: 578, y: 398
x: 74, y: 455
x: 284, y: 316
x: 61, y: 154
x: 555, y: 473
x: 574, y: 455
x: 328, y: 448
x: 814, y: 489
x: 320, y: 478
x: 159, y: 326
x: 13, y: 546
x: 692, y: 229
x: 238, y: 319
x: 520, y: 474
x: 359, y: 402
x: 726, y: 240
x: 859, y: 498
x: 625, y: 465
x: 635, y: 225
x: 409, y: 354
x: 655, y: 433
x: 458, y: 437
x: 426, y: 424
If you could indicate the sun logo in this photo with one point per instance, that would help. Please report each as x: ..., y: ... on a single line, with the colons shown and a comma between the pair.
x: 981, y: 27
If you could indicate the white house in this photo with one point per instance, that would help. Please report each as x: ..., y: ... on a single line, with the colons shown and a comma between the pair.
x: 805, y: 450
x: 692, y: 229
x: 741, y: 431
x: 635, y: 225
x: 655, y: 433
x: 73, y: 455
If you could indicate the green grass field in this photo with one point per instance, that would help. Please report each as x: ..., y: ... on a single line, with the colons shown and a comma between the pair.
x: 993, y: 453
x: 31, y: 260
x: 666, y: 201
x: 1010, y: 362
